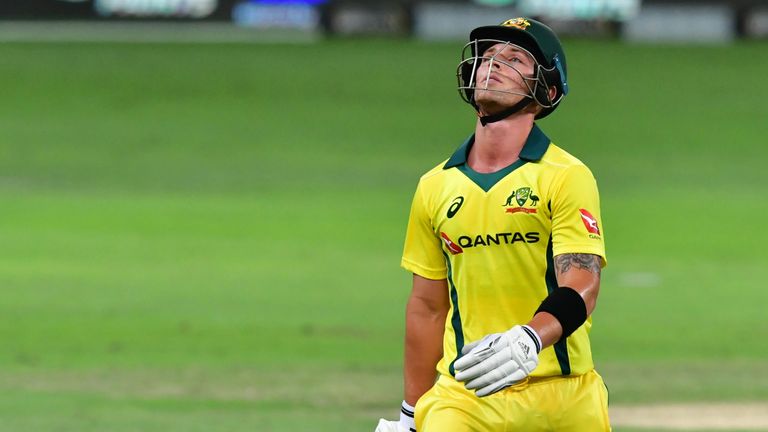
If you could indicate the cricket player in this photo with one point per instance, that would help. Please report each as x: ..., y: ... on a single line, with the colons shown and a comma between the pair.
x: 505, y: 244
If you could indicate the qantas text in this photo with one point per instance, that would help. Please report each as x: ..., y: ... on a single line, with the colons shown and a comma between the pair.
x: 498, y: 238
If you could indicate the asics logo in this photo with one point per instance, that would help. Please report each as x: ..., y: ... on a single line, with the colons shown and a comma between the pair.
x: 454, y: 208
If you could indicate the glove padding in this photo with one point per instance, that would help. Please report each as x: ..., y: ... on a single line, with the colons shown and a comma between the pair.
x: 497, y: 361
x: 390, y: 426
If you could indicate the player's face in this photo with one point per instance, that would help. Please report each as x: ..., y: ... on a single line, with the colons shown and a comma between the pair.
x: 500, y: 81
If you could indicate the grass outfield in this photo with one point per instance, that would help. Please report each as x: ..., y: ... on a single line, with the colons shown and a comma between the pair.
x: 207, y: 238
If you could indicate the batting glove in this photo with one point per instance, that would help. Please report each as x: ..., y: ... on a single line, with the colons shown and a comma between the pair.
x: 499, y: 360
x: 406, y: 423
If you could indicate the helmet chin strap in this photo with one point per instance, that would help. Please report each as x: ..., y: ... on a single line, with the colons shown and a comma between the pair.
x: 501, y: 115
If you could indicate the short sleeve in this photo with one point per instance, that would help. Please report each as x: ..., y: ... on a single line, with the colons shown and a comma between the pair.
x: 422, y: 253
x: 576, y: 220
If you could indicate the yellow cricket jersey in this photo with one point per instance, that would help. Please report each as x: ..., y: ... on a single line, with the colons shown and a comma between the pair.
x: 494, y: 236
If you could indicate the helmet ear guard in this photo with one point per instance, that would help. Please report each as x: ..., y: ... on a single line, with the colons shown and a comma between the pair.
x: 561, y: 74
x: 549, y: 78
x: 541, y: 95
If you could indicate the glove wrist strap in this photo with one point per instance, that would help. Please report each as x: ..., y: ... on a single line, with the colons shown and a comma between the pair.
x: 534, y: 336
x: 406, y: 417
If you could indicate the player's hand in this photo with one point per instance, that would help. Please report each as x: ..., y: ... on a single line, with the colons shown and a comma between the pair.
x: 406, y: 423
x: 498, y: 361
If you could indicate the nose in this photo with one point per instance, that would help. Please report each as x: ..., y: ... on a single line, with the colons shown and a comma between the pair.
x: 490, y: 63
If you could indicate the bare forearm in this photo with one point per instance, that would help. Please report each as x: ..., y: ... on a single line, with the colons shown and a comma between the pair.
x: 423, y: 347
x: 547, y: 327
x: 580, y: 272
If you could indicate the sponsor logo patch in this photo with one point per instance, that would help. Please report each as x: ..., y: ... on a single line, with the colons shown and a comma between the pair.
x: 505, y: 238
x: 452, y: 247
x: 523, y: 347
x: 455, y: 206
x: 590, y: 222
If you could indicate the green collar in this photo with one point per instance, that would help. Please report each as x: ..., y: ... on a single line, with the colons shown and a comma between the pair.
x: 535, y: 146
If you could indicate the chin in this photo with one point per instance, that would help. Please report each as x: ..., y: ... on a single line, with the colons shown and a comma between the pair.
x: 493, y: 100
x: 488, y: 97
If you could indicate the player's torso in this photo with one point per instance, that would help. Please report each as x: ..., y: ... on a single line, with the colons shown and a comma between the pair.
x: 496, y: 238
x: 496, y: 243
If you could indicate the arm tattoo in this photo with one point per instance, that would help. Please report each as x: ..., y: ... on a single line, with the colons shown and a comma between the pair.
x: 588, y: 262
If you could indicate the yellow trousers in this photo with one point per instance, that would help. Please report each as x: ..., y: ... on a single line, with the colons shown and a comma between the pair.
x: 562, y: 404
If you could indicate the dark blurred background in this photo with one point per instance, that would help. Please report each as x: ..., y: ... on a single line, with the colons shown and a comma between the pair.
x: 656, y: 20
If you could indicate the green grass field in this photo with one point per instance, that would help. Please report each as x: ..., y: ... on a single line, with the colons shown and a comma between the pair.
x: 207, y: 237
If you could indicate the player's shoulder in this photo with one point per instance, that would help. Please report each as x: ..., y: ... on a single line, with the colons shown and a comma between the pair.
x: 559, y: 160
x: 556, y: 156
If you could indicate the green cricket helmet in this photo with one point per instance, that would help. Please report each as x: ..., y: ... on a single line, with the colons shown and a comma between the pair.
x: 535, y: 38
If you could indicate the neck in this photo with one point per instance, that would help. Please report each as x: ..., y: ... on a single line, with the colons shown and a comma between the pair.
x: 497, y: 145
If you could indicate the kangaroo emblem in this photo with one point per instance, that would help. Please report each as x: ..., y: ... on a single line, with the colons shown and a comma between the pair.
x: 521, y: 196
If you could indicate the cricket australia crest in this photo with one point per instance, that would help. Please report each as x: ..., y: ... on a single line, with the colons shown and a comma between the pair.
x: 521, y: 197
x: 519, y: 23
